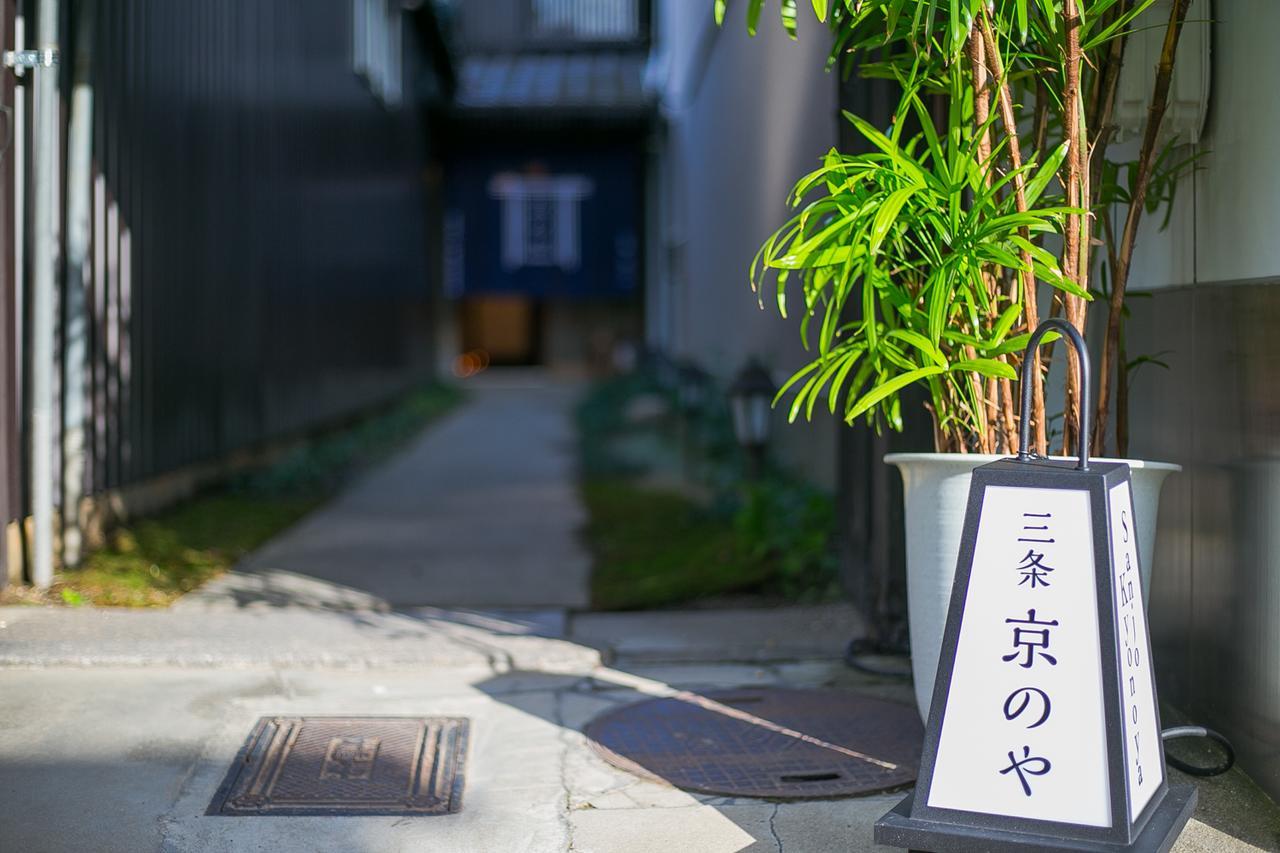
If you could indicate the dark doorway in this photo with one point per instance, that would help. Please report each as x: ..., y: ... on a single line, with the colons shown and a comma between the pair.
x: 505, y: 327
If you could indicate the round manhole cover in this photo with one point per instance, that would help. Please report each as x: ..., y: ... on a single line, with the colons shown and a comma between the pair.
x: 764, y: 742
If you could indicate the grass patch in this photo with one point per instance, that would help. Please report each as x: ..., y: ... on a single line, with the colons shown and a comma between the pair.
x: 150, y: 562
x: 707, y: 531
x: 654, y: 548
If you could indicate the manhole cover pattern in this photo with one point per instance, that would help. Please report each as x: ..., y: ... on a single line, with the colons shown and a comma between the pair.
x: 764, y: 742
x: 347, y: 766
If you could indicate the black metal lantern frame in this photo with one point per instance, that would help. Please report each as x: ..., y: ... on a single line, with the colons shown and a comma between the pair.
x: 751, y: 396
x: 917, y: 825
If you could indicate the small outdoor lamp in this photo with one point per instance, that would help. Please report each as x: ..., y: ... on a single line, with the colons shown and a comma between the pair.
x: 1044, y: 731
x: 751, y: 398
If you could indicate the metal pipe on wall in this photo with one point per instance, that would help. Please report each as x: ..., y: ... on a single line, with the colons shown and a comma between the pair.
x: 75, y: 311
x: 44, y: 163
x: 10, y: 358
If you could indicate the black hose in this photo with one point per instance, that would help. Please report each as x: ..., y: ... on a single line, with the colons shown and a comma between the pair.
x: 1199, y: 731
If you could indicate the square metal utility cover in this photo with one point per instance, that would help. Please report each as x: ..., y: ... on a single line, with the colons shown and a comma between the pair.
x: 347, y: 766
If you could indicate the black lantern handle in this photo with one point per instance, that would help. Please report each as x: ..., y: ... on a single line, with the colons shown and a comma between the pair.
x: 1024, y: 443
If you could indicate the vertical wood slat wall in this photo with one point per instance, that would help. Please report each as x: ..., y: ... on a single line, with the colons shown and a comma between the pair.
x: 257, y: 263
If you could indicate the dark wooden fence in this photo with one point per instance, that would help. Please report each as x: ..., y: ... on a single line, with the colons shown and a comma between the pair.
x: 258, y: 259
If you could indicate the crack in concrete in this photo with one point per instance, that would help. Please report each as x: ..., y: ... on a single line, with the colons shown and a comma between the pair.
x: 773, y: 829
x: 564, y: 737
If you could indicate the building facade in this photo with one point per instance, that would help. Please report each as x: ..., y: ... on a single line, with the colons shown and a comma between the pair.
x: 741, y: 119
x: 1211, y: 282
x: 544, y: 216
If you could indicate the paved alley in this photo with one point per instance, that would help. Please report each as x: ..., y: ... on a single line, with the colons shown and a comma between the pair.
x: 481, y: 511
x: 447, y: 583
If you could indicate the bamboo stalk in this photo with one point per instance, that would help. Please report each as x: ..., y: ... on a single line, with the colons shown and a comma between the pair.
x: 1029, y: 308
x: 1072, y: 267
x: 981, y: 113
x: 1102, y: 105
x: 1124, y: 255
x: 1099, y: 117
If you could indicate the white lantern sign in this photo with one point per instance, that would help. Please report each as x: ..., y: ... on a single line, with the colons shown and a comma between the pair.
x: 1044, y: 731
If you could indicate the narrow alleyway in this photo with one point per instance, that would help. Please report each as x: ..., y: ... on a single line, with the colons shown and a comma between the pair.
x: 443, y: 583
x: 480, y: 512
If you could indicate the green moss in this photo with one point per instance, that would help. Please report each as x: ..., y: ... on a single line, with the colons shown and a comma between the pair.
x: 653, y: 548
x: 151, y: 561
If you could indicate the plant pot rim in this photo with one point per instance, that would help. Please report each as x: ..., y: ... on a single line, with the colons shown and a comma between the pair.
x: 983, y: 458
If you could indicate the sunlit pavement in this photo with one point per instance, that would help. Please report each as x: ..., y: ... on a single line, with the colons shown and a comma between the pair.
x: 124, y: 723
x: 129, y: 757
x: 109, y: 754
x: 482, y: 510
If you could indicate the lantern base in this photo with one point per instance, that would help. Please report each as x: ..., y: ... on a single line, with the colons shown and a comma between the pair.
x: 899, y: 829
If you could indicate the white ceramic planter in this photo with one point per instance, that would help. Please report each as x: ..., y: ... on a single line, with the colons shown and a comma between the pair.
x: 935, y: 493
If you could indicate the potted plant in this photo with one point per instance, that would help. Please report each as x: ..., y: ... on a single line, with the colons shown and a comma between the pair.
x: 929, y: 258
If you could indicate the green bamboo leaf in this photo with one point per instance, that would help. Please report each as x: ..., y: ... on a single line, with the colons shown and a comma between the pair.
x: 1018, y: 343
x: 939, y: 302
x: 795, y: 377
x: 930, y: 135
x: 1021, y: 9
x: 960, y: 338
x: 830, y: 319
x: 820, y: 9
x: 887, y: 214
x: 823, y: 378
x: 833, y: 394
x: 891, y: 15
x: 997, y: 255
x: 809, y: 260
x: 869, y: 327
x: 879, y: 140
x: 897, y: 356
x: 894, y: 413
x: 809, y: 388
x: 1005, y: 322
x: 986, y: 366
x: 880, y: 392
x: 856, y: 384
x: 957, y: 27
x: 1116, y: 27
x: 1050, y: 14
x: 833, y: 228
x: 788, y: 13
x: 1062, y: 283
x: 1047, y: 172
x: 921, y: 343
x: 753, y: 15
x: 805, y: 320
x: 1039, y: 253
x: 719, y: 11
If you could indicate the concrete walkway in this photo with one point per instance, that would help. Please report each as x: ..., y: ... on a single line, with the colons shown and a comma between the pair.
x: 110, y: 752
x: 118, y: 726
x: 481, y: 511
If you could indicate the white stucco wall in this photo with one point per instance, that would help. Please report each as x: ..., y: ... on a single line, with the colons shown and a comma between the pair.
x: 745, y: 118
x: 1224, y: 226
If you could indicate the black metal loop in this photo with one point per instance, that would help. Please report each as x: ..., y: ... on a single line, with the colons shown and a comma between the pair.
x: 1056, y: 324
